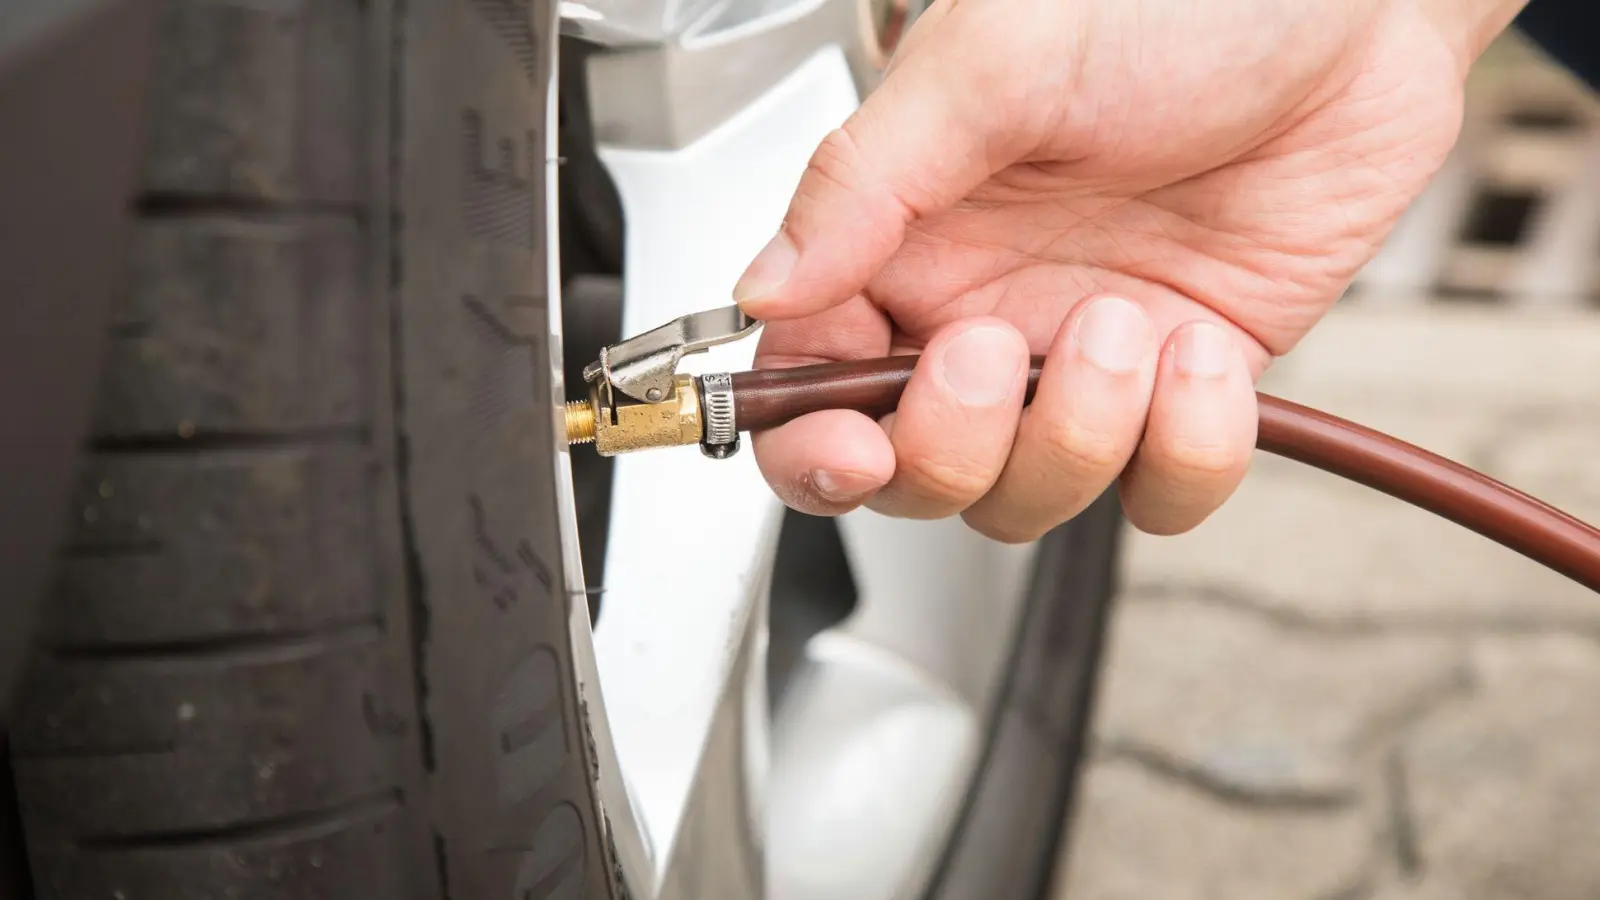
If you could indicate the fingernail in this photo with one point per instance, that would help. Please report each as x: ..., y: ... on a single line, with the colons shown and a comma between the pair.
x: 981, y: 365
x: 768, y: 271
x: 1202, y: 350
x: 842, y: 486
x: 1114, y: 335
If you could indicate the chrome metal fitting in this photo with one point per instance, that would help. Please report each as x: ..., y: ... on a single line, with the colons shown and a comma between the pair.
x: 643, y: 367
x: 716, y: 402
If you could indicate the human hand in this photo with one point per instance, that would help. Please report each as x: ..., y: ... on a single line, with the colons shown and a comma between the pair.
x: 1164, y: 195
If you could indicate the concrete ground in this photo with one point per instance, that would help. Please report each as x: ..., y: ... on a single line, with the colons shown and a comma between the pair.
x: 1324, y: 694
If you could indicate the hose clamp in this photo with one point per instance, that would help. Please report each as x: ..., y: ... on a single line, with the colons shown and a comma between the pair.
x: 721, y: 436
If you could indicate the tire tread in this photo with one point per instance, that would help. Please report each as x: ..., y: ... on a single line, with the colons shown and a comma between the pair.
x: 244, y: 655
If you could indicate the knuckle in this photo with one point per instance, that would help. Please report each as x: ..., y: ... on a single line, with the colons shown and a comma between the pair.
x: 1083, y: 449
x: 953, y: 479
x: 834, y: 162
x: 1199, y: 461
x: 838, y: 169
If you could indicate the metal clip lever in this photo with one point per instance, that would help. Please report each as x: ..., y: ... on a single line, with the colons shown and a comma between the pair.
x: 643, y: 367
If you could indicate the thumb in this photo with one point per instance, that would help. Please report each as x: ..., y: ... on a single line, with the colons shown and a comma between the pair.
x: 919, y: 143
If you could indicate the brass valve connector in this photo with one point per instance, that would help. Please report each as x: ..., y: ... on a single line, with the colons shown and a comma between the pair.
x: 620, y: 424
x: 580, y: 421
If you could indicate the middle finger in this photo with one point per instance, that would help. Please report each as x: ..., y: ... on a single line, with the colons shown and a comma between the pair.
x: 956, y: 420
x: 1084, y: 424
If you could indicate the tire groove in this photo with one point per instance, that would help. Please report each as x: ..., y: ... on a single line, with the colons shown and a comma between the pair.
x: 232, y: 649
x: 415, y: 597
x: 288, y: 828
x: 173, y: 205
x: 95, y: 754
x: 207, y: 442
x: 120, y: 550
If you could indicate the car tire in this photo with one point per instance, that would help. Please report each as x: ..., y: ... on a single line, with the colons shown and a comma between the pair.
x: 309, y: 632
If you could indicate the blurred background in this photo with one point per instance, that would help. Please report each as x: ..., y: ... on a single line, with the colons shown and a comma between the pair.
x: 1324, y: 694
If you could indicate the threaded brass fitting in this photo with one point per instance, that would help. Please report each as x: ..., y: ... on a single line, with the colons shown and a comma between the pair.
x: 616, y: 424
x: 580, y: 422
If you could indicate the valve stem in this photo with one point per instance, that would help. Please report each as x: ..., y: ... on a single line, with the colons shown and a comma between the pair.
x: 580, y: 422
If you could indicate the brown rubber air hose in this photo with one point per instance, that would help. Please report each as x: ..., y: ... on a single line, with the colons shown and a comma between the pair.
x: 770, y: 397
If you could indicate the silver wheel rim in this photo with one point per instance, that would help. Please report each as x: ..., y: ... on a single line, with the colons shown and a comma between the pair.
x: 853, y: 784
x: 877, y: 737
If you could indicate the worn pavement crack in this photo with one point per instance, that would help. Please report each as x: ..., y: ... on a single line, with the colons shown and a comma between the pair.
x: 1402, y: 824
x: 1245, y: 600
x: 1459, y: 681
x: 1167, y: 767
